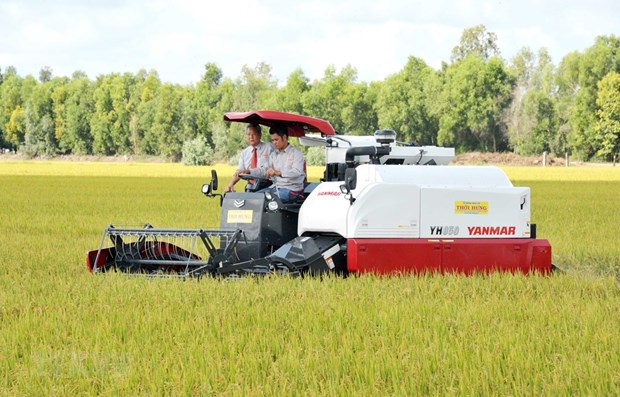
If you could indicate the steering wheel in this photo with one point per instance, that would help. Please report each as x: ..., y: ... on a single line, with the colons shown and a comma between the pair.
x: 259, y: 182
x: 249, y: 177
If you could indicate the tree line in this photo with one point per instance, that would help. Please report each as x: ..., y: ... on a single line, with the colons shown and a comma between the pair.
x: 476, y: 102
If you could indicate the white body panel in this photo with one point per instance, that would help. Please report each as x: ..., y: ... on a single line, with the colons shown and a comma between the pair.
x: 324, y: 210
x: 475, y: 212
x: 405, y: 155
x: 385, y: 210
x: 393, y: 201
x: 456, y: 176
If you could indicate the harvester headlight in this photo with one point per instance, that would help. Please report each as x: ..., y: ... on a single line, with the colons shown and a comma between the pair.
x: 273, y: 205
x: 268, y: 196
x: 206, y: 188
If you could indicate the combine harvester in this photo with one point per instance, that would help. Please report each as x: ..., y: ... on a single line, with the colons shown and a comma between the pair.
x: 382, y: 207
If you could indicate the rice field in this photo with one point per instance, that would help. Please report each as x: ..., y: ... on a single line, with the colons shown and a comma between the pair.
x: 66, y: 332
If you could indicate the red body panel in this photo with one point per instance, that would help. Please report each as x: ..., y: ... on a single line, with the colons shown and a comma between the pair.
x: 460, y: 255
x: 297, y: 124
x: 393, y: 255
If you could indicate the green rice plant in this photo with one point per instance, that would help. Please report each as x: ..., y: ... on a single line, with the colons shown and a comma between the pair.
x: 576, y: 208
x: 64, y: 331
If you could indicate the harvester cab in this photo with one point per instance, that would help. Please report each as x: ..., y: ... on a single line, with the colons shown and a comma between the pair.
x: 382, y: 206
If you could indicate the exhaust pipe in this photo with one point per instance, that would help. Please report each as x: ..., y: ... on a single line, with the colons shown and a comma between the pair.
x: 373, y: 151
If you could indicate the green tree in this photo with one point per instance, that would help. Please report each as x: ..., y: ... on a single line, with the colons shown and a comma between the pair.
x: 358, y: 112
x: 607, y: 127
x: 228, y: 138
x: 475, y: 94
x: 38, y: 139
x: 79, y: 106
x: 142, y: 137
x: 59, y: 99
x: 289, y: 97
x: 327, y: 97
x: 166, y: 126
x: 16, y: 127
x: 518, y: 122
x: 578, y: 77
x: 45, y: 74
x: 111, y: 120
x: 255, y: 88
x: 187, y: 115
x: 121, y: 90
x: 532, y: 115
x: 40, y: 135
x: 540, y: 108
x: 403, y: 104
x: 567, y: 84
x: 476, y: 41
x: 205, y: 101
x: 12, y: 93
x: 103, y: 117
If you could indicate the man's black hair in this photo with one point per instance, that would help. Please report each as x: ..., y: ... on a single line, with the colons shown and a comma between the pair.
x: 279, y: 129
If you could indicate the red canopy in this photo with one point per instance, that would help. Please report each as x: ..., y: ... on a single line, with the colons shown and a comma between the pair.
x: 297, y: 125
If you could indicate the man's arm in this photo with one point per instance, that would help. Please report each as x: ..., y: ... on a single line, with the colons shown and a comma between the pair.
x: 260, y: 172
x: 235, y: 178
x: 297, y: 167
x: 241, y: 169
x: 286, y: 169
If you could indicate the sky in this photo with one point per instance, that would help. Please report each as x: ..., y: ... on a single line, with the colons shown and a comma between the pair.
x: 178, y: 37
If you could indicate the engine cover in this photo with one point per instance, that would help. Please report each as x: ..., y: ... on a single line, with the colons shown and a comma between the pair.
x: 392, y: 201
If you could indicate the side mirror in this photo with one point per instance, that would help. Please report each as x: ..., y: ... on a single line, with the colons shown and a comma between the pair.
x: 350, y: 178
x: 213, y: 180
x: 208, y: 189
x: 350, y: 182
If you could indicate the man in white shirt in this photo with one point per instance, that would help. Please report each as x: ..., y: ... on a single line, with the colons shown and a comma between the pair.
x: 256, y: 155
x: 285, y: 167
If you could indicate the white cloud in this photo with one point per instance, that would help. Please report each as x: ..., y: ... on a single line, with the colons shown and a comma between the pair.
x: 177, y: 38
